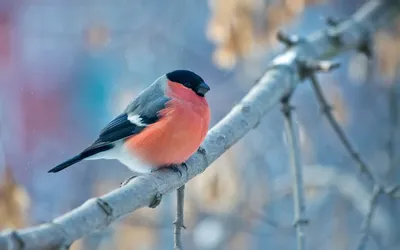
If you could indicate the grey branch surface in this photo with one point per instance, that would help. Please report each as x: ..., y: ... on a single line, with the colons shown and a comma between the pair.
x: 300, y: 220
x: 278, y: 80
x: 179, y: 224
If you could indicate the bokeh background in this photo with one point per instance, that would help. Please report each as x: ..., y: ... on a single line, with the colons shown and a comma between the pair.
x: 67, y: 67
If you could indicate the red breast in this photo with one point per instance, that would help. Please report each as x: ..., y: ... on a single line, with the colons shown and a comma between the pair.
x: 180, y: 131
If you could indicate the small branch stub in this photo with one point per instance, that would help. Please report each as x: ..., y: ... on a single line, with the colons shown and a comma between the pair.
x: 288, y: 40
x: 308, y: 67
x: 366, y: 47
x: 333, y: 21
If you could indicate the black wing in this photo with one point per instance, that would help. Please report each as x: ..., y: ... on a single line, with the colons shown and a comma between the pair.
x: 121, y: 127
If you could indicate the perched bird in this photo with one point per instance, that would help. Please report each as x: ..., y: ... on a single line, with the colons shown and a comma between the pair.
x: 162, y: 127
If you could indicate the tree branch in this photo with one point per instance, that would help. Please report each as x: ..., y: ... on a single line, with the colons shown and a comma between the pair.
x: 327, y: 110
x: 365, y: 228
x: 300, y: 220
x: 180, y: 194
x: 278, y: 80
x: 393, y: 124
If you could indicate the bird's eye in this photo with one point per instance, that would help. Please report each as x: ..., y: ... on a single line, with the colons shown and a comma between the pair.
x: 186, y: 84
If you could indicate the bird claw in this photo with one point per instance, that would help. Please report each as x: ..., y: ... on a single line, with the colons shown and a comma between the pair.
x: 175, y: 168
x: 185, y: 166
x: 156, y: 201
x: 128, y: 180
x: 158, y: 197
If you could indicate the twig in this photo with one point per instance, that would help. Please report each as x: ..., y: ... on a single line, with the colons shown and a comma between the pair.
x: 327, y: 110
x: 277, y: 81
x: 180, y: 194
x: 393, y: 116
x: 365, y: 228
x: 300, y: 220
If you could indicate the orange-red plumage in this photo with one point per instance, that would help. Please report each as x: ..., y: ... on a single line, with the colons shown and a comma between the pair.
x: 178, y: 134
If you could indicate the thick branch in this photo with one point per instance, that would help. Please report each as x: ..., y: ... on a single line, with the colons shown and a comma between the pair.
x: 277, y: 81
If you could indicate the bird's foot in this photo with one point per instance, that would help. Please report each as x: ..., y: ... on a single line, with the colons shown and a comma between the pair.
x: 175, y: 168
x: 128, y: 180
x: 158, y: 197
x: 156, y: 201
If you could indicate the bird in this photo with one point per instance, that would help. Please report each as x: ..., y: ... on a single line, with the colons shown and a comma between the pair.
x: 160, y: 128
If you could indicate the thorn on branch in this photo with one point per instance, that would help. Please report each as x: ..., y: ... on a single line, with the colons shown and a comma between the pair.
x: 288, y: 40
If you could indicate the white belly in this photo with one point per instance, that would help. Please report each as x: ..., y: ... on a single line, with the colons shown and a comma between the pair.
x: 120, y: 153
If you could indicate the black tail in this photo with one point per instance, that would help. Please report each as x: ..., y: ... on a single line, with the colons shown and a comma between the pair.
x: 92, y: 150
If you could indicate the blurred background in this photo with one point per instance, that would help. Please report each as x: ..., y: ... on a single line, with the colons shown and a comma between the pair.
x: 67, y: 67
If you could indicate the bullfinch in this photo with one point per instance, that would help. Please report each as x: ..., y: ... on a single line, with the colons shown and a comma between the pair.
x: 162, y: 127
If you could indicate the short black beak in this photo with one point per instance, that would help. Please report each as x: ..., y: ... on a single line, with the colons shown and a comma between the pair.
x: 202, y: 89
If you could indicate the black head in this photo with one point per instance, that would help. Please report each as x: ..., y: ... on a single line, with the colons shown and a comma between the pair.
x: 189, y: 80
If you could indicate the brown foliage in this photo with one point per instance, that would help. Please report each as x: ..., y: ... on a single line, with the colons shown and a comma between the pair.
x: 238, y: 26
x: 388, y: 50
x: 14, y: 202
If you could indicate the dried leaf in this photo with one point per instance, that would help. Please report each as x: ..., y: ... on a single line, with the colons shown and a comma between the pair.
x: 232, y: 26
x: 388, y: 53
x: 14, y: 202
